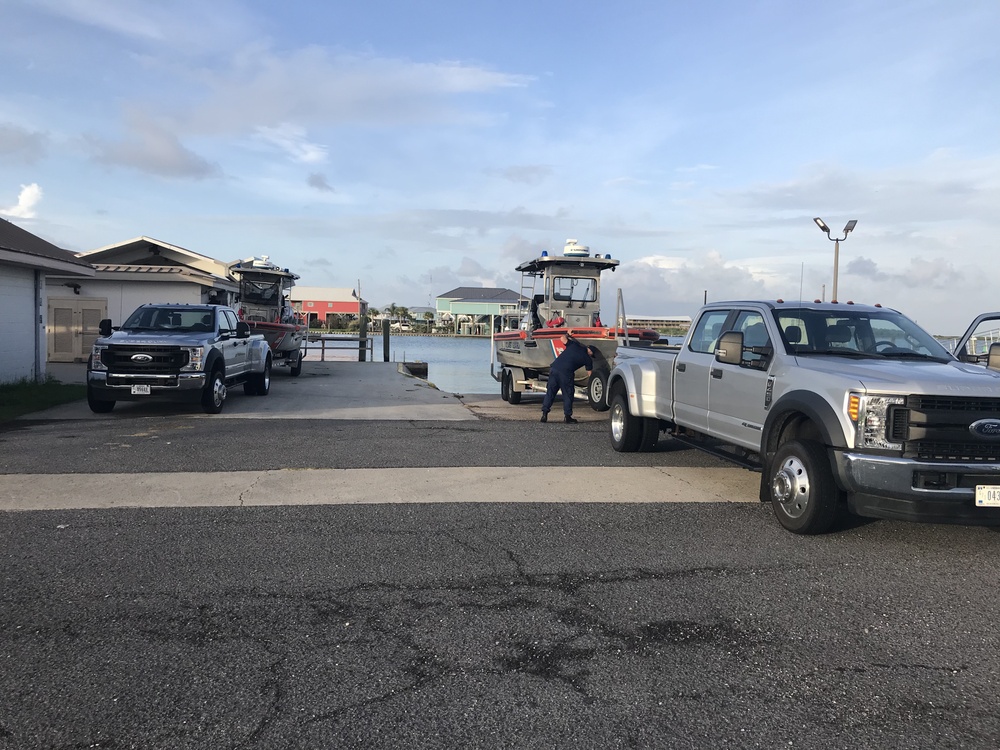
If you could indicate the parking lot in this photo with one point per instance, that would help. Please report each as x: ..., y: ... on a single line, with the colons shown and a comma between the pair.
x: 275, y: 578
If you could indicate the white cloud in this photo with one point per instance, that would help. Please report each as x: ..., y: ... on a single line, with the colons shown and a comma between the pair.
x: 314, y: 86
x: 29, y: 197
x: 291, y: 140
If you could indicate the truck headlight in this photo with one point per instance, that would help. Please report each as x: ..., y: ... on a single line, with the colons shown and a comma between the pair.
x: 95, y: 358
x: 870, y: 414
x: 196, y: 358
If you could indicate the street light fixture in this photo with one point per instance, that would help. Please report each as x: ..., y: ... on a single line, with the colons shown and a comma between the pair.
x: 836, y: 248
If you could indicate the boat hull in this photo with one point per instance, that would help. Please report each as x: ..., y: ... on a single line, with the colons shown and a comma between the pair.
x: 534, y: 353
x: 283, y: 338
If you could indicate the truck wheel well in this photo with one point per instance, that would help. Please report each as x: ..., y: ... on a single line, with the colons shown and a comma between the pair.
x: 793, y: 426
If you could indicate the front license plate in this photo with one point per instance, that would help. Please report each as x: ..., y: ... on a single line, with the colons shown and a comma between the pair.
x: 143, y: 390
x: 987, y: 495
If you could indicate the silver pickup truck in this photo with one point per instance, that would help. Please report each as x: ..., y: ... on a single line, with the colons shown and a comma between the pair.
x: 177, y: 352
x: 838, y: 405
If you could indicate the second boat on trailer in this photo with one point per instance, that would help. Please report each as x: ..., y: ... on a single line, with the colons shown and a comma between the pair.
x: 265, y: 305
x: 560, y: 294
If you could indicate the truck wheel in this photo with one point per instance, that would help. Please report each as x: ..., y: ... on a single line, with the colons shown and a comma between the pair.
x: 650, y: 434
x: 214, y: 396
x: 597, y: 390
x: 98, y: 406
x: 626, y: 430
x: 803, y: 492
x: 259, y: 385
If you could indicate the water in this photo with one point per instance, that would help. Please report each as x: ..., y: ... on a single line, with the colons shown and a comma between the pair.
x: 459, y: 364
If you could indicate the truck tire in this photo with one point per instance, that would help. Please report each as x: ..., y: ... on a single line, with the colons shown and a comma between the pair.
x: 803, y: 492
x: 213, y: 398
x: 259, y: 384
x: 597, y: 388
x: 649, y: 434
x: 626, y: 430
x: 97, y: 405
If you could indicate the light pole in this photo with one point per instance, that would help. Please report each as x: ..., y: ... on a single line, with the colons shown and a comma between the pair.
x: 836, y: 249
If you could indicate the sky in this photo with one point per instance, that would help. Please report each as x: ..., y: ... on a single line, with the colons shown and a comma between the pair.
x: 408, y: 148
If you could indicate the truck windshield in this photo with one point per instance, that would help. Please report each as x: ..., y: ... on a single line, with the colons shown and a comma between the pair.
x: 180, y: 319
x: 862, y: 333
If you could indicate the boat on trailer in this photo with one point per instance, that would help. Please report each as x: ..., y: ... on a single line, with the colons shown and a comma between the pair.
x: 560, y: 294
x: 264, y: 304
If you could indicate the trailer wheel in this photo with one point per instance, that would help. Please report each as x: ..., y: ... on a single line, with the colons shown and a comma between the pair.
x: 213, y: 397
x: 97, y: 405
x: 514, y: 397
x: 296, y: 369
x: 505, y: 384
x: 626, y: 430
x: 597, y: 389
x: 803, y: 492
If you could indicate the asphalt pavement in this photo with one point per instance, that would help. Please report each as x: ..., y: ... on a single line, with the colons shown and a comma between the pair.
x: 442, y: 571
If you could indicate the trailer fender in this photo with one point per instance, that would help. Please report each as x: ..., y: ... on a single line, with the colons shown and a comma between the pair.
x: 516, y: 379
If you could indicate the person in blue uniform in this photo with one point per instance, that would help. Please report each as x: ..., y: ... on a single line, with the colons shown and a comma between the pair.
x: 573, y: 357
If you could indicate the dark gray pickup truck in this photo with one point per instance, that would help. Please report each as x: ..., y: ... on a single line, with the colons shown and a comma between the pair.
x: 177, y: 352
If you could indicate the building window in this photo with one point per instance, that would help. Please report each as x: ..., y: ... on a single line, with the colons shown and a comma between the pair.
x: 329, y: 304
x: 309, y: 304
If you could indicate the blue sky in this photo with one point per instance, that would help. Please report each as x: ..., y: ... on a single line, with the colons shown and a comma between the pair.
x: 414, y: 147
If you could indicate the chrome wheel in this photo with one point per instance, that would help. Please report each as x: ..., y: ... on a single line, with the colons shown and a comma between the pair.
x: 790, y: 487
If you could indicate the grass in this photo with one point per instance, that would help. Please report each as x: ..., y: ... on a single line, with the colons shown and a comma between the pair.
x: 26, y: 396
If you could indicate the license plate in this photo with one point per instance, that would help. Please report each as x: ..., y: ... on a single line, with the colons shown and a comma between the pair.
x: 987, y: 495
x: 143, y: 390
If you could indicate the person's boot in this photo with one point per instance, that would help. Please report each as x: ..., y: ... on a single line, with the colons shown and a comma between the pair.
x: 570, y: 420
x: 545, y: 416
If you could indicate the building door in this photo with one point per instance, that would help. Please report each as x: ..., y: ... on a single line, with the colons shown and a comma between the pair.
x: 73, y: 327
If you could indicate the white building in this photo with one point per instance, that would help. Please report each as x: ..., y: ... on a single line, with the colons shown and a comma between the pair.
x: 25, y: 261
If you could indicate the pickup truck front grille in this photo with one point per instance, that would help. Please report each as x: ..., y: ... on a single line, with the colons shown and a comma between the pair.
x: 164, y: 359
x: 936, y: 428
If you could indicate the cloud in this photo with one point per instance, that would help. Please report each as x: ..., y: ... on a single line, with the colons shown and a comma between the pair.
x: 533, y: 174
x: 27, y: 199
x: 291, y: 139
x: 318, y: 181
x: 20, y: 145
x: 267, y: 88
x: 151, y: 147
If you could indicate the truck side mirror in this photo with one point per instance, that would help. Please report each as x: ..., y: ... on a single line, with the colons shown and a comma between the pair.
x: 242, y: 330
x: 993, y: 358
x: 729, y: 350
x: 104, y: 327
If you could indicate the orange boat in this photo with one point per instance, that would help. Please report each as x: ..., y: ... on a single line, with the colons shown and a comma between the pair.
x: 559, y: 294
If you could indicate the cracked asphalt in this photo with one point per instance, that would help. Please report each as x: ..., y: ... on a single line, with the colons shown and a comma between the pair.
x: 451, y: 624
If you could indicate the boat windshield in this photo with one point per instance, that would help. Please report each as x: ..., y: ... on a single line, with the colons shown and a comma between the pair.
x: 182, y: 320
x: 261, y: 292
x: 574, y: 289
x: 859, y: 334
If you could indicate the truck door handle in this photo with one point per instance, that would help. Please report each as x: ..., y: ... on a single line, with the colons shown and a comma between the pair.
x: 681, y: 367
x: 716, y: 373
